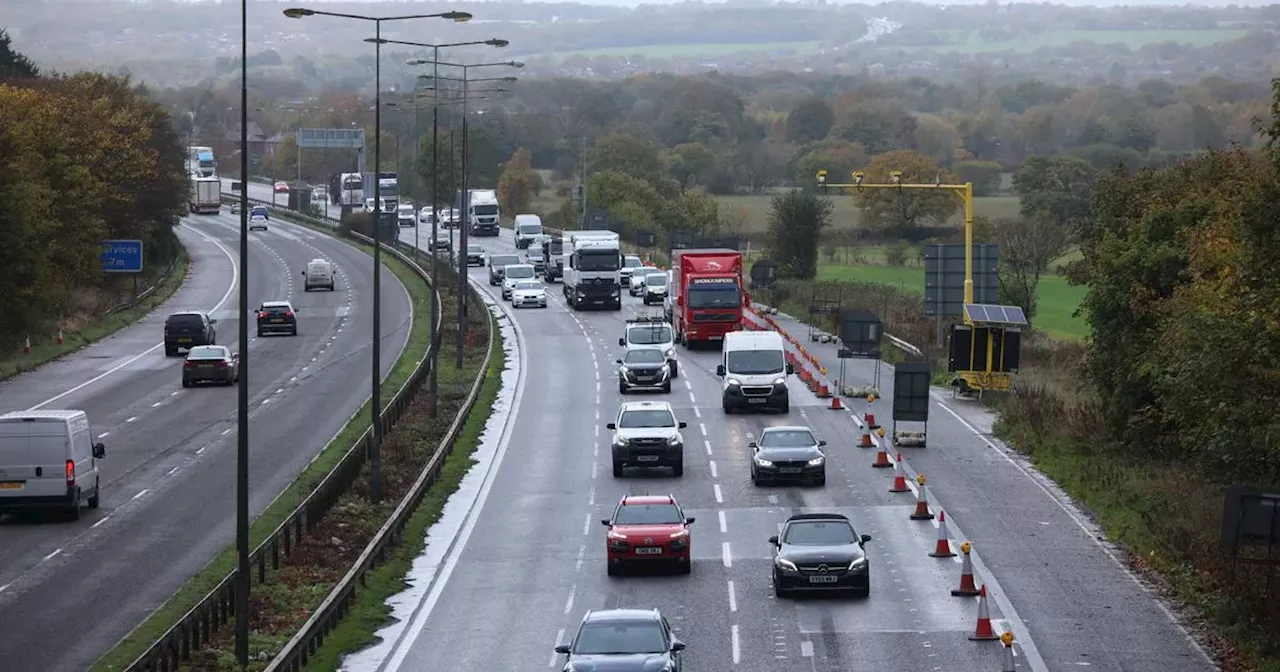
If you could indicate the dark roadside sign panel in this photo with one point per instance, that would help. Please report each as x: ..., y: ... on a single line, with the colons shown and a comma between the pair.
x: 764, y: 273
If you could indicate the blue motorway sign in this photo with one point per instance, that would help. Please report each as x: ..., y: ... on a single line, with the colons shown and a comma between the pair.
x: 121, y: 256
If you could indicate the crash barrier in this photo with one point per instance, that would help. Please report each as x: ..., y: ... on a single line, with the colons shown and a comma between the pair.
x: 202, y: 622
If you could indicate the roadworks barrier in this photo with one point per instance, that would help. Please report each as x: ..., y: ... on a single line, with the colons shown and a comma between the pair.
x: 906, y: 439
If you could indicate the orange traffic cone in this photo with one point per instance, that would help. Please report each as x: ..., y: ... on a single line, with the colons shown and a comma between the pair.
x: 983, y: 632
x: 899, y: 477
x: 869, y: 416
x: 59, y: 337
x: 967, y: 587
x: 922, y: 511
x: 871, y: 421
x: 943, y: 547
x: 823, y: 392
x: 835, y: 403
x: 1007, y: 664
x: 26, y: 348
x: 882, y: 460
x: 866, y: 440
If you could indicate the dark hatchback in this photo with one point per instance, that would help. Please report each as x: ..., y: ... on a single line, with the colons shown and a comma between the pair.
x: 623, y: 640
x: 211, y: 364
x: 643, y: 369
x: 820, y: 552
x: 187, y: 330
x: 497, y: 267
x: 278, y: 317
x: 475, y: 255
x: 788, y: 454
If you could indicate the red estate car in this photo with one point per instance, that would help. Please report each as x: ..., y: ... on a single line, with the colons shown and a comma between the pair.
x: 281, y: 187
x: 648, y: 529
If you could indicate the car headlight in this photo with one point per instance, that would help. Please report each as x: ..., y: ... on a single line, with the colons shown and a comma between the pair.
x: 817, y: 461
x: 674, y: 440
x: 858, y: 564
x: 780, y: 381
x: 624, y: 369
x: 785, y: 565
x: 619, y: 441
x: 734, y: 382
x: 682, y: 534
x: 763, y: 462
x: 614, y: 536
x: 670, y: 353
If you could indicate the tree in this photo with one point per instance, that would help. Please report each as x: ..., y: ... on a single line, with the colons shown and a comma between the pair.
x: 688, y: 162
x: 703, y: 212
x: 1060, y: 186
x: 810, y: 120
x: 1027, y: 247
x: 985, y: 175
x: 878, y: 125
x: 796, y: 221
x: 838, y: 157
x: 898, y: 211
x: 626, y: 154
x: 516, y: 185
x: 14, y: 65
x: 447, y: 171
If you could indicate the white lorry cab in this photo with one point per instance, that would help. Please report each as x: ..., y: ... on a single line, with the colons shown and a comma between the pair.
x: 48, y: 460
x: 591, y: 276
x: 528, y: 228
x: 754, y: 369
x: 319, y: 275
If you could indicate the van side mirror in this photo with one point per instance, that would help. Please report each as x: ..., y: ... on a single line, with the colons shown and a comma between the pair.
x: 99, y: 450
x: 773, y: 540
x: 304, y: 274
x: 562, y: 648
x: 617, y: 361
x: 612, y: 425
x: 752, y: 444
x: 822, y: 443
x: 689, y: 520
x: 676, y: 647
x: 605, y: 522
x: 791, y: 370
x: 213, y: 321
x: 683, y: 425
x: 622, y: 341
x: 866, y: 538
x: 720, y: 370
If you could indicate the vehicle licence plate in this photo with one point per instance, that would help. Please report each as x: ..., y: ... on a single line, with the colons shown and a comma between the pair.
x: 649, y: 550
x: 648, y: 458
x: 184, y: 340
x: 756, y: 400
x: 277, y: 320
x: 645, y: 379
x: 206, y: 366
x: 823, y: 578
x: 10, y: 486
x: 790, y: 470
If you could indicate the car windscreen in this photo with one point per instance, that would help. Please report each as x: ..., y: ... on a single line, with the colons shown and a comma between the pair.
x: 648, y: 514
x: 275, y: 310
x: 658, y: 279
x: 475, y: 249
x: 184, y: 322
x: 642, y: 357
x: 631, y: 262
x: 518, y: 272
x: 207, y: 352
x: 649, y: 335
x: 531, y: 284
x: 500, y: 260
x: 755, y: 362
x: 599, y: 639
x: 259, y: 210
x: 820, y: 533
x: 787, y: 438
x: 646, y: 419
x: 528, y: 229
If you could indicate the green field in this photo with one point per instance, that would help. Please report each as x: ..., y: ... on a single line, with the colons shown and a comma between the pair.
x: 845, y: 214
x: 971, y: 42
x: 688, y: 49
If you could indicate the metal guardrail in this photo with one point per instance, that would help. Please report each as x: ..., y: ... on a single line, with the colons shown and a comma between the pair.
x: 200, y: 624
x: 142, y: 296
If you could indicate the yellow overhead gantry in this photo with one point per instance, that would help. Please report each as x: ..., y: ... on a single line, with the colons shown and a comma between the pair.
x: 999, y: 339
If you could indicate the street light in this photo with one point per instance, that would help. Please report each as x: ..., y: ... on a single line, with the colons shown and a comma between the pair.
x: 375, y: 458
x: 242, y: 394
x: 464, y: 206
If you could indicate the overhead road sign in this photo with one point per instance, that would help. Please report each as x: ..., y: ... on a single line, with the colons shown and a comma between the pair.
x: 331, y: 138
x: 121, y: 256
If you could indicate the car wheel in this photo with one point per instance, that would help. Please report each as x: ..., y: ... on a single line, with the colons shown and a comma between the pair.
x: 820, y: 481
x: 778, y: 590
x: 686, y: 567
x: 170, y: 352
x: 186, y: 383
x: 617, y: 468
x: 622, y: 388
x: 96, y: 499
x: 75, y: 510
x: 293, y: 332
x: 728, y: 410
x: 611, y: 568
x: 259, y: 333
x: 677, y: 469
x: 755, y: 480
x: 666, y: 387
x: 786, y: 408
x: 305, y: 288
x: 864, y: 592
x: 675, y: 370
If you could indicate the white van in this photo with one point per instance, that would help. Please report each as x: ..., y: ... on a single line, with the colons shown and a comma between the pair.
x: 319, y: 274
x: 528, y: 228
x: 48, y: 460
x: 754, y: 370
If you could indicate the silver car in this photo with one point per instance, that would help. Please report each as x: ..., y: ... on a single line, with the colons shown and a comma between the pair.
x: 257, y: 223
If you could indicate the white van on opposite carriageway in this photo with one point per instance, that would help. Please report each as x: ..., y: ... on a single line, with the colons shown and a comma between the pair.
x: 48, y: 460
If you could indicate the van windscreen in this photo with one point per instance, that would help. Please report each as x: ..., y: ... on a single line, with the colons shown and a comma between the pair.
x: 755, y: 362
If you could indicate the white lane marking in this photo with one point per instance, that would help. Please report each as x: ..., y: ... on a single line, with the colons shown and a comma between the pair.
x: 591, y: 497
x: 171, y: 471
x: 703, y: 428
x: 597, y: 386
x: 725, y: 555
x: 733, y: 597
x: 737, y: 647
x: 724, y: 526
x: 594, y: 467
x: 141, y: 493
x: 100, y: 521
x: 568, y: 604
x: 697, y: 412
x: 707, y: 445
x: 5, y: 587
x: 104, y: 435
x: 157, y: 404
x: 554, y: 655
x: 224, y: 433
x: 132, y: 419
x: 56, y: 552
x: 200, y: 449
x: 582, y: 554
x: 719, y: 495
x: 235, y: 274
x: 173, y: 394
x: 713, y: 469
x: 597, y: 430
x: 692, y: 399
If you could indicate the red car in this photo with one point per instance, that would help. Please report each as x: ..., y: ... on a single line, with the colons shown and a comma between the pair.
x: 282, y: 187
x: 648, y: 530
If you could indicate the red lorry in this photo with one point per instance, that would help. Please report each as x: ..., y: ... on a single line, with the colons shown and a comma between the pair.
x: 707, y: 295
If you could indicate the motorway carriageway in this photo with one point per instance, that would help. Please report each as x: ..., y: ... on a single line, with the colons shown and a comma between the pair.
x: 70, y: 590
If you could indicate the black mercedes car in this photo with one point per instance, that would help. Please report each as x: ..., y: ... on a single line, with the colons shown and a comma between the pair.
x: 623, y: 640
x: 278, y: 317
x: 211, y: 364
x: 643, y: 369
x: 818, y: 552
x: 788, y: 454
x: 475, y: 255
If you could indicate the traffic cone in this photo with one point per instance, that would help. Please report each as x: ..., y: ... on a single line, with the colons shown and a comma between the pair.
x: 899, y: 477
x: 870, y: 416
x: 26, y: 350
x: 882, y: 459
x: 59, y: 337
x: 967, y: 587
x: 823, y: 392
x: 1007, y: 664
x: 983, y: 632
x: 835, y: 403
x: 866, y: 440
x: 943, y: 547
x: 922, y: 511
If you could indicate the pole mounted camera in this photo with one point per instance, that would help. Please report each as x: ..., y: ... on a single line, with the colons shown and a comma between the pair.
x: 896, y: 178
x: 822, y: 180
x: 857, y: 178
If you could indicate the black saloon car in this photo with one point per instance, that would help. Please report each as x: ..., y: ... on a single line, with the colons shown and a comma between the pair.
x: 278, y: 317
x: 819, y: 552
x: 788, y: 454
x: 643, y: 369
x: 475, y: 255
x: 187, y: 330
x: 211, y: 364
x: 623, y: 640
x: 497, y: 267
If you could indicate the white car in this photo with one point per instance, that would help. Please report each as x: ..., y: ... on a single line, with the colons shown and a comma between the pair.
x: 630, y: 264
x: 514, y: 273
x: 636, y: 288
x: 647, y: 434
x: 528, y: 293
x: 257, y: 223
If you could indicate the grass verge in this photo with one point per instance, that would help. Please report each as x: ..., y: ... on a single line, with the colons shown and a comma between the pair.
x: 46, y: 349
x: 370, y: 611
x: 133, y: 645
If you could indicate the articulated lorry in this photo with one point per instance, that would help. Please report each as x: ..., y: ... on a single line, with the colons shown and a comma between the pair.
x: 482, y: 212
x: 708, y: 294
x: 346, y: 189
x: 591, y: 277
x: 200, y: 162
x: 205, y: 196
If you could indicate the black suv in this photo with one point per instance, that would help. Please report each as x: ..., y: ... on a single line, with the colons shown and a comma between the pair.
x: 277, y: 316
x: 497, y: 267
x: 187, y: 330
x: 820, y: 551
x: 623, y: 640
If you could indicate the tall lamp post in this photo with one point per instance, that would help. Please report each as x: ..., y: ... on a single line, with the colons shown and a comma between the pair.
x: 464, y: 206
x: 242, y: 394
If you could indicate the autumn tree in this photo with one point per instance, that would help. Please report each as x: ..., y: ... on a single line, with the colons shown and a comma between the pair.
x: 796, y: 221
x: 1061, y: 187
x: 1027, y: 248
x: 626, y: 154
x: 516, y: 184
x: 810, y: 120
x: 444, y: 175
x: 898, y: 212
